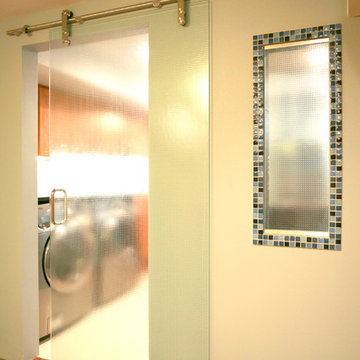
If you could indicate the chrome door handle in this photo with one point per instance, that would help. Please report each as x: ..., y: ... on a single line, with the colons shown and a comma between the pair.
x: 53, y: 207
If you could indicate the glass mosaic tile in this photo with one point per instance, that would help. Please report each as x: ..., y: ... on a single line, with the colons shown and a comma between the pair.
x: 333, y: 240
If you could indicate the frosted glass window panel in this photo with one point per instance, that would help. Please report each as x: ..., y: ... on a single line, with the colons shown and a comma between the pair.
x: 296, y: 161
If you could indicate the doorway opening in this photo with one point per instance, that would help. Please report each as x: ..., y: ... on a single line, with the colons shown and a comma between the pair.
x: 179, y: 230
x: 93, y: 143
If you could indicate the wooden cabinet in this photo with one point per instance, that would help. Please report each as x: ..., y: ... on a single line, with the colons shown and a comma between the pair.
x: 85, y: 124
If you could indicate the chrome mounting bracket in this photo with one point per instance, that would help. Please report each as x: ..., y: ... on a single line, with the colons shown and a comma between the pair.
x: 65, y: 26
x: 181, y: 12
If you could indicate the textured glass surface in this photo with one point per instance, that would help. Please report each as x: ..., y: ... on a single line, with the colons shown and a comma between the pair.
x: 179, y: 185
x: 296, y: 168
x: 99, y: 155
x: 106, y: 305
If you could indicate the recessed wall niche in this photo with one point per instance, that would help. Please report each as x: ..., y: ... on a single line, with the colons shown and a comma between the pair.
x: 297, y: 113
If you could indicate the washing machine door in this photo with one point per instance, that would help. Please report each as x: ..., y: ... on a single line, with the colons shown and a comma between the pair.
x: 44, y: 239
x: 71, y: 267
x: 73, y: 254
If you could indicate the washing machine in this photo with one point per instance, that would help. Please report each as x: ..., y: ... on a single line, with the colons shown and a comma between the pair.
x: 44, y: 285
x: 67, y: 289
x: 117, y: 242
x: 73, y: 273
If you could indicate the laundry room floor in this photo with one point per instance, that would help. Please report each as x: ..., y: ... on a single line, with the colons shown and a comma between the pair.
x: 130, y: 309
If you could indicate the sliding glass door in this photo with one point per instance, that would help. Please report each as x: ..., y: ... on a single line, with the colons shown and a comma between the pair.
x: 129, y: 154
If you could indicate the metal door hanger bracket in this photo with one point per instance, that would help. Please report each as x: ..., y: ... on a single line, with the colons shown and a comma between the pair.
x: 181, y: 12
x: 65, y: 16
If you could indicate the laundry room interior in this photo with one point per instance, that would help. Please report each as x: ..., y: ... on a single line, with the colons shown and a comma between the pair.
x: 111, y: 273
x: 141, y: 215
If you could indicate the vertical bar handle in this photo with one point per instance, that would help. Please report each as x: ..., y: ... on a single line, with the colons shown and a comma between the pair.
x: 53, y: 207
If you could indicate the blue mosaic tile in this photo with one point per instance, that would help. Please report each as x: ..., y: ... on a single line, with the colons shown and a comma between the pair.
x: 333, y: 241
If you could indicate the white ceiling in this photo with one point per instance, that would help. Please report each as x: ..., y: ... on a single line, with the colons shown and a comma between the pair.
x: 10, y: 8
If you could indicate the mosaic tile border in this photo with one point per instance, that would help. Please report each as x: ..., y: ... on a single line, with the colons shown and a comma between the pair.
x: 333, y: 242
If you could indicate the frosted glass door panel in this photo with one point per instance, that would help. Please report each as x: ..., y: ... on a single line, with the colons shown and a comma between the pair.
x: 179, y: 185
x: 99, y: 155
x: 129, y: 142
x: 297, y: 105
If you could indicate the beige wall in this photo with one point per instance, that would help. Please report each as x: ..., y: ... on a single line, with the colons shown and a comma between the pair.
x: 277, y: 303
